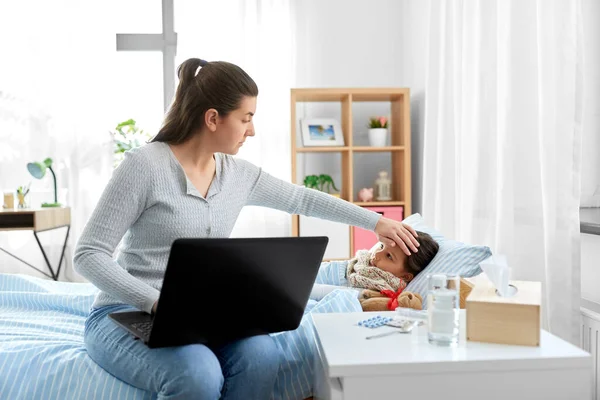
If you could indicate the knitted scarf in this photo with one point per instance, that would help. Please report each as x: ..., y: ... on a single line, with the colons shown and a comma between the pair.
x: 362, y: 275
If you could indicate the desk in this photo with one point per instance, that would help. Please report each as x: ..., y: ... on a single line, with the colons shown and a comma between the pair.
x: 37, y: 220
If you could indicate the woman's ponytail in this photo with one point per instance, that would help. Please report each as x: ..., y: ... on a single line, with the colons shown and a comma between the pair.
x: 188, y: 70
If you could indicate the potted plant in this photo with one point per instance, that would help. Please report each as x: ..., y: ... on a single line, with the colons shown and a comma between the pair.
x: 126, y: 136
x: 378, y: 131
x: 322, y: 182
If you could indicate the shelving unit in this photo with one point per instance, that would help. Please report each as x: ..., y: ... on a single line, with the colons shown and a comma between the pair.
x: 399, y: 129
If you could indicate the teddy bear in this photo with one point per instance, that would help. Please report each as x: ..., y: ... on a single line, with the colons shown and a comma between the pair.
x: 387, y: 300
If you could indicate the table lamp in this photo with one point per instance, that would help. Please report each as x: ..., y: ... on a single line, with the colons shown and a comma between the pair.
x: 38, y: 170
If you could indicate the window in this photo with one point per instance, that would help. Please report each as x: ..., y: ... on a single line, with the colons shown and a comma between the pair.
x: 137, y: 16
x: 140, y: 88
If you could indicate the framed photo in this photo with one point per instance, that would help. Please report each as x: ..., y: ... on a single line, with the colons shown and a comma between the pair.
x: 321, y: 132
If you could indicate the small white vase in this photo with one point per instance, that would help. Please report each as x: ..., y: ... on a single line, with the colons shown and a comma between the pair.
x: 378, y: 137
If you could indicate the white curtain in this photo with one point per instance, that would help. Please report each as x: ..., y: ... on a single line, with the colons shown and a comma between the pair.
x: 55, y: 101
x: 257, y: 36
x: 502, y: 149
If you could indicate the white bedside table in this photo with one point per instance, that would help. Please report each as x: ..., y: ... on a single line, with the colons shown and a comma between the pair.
x: 349, y: 367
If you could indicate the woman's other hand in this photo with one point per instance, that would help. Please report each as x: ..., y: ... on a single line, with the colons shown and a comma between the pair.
x: 394, y: 233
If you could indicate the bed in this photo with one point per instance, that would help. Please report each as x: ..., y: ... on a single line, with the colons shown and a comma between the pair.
x: 43, y: 356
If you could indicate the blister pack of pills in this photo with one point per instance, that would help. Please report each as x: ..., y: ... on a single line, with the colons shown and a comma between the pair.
x: 375, y: 322
x: 401, y: 325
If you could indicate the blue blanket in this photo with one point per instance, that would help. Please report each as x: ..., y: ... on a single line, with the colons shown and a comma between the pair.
x: 43, y: 356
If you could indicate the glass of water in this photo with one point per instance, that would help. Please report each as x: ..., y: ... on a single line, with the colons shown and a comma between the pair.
x: 443, y: 308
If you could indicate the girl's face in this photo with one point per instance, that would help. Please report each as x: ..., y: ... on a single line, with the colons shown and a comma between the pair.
x: 232, y: 130
x: 392, y: 260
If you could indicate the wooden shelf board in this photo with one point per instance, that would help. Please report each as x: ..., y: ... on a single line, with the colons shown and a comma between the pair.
x: 360, y: 149
x: 321, y: 149
x: 15, y: 211
x: 378, y: 203
x: 358, y: 94
x: 376, y: 97
x: 318, y: 95
x: 379, y: 90
x: 366, y: 149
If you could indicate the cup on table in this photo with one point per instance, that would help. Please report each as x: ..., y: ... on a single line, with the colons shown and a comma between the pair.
x: 9, y: 200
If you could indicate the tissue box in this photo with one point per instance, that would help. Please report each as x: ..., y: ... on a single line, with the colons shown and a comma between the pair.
x: 507, y: 320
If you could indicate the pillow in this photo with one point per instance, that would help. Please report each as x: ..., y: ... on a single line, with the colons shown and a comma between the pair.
x: 452, y: 258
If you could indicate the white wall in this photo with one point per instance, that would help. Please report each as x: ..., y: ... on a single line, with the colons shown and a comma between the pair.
x: 354, y: 43
x: 590, y: 171
x: 590, y: 267
x: 384, y: 43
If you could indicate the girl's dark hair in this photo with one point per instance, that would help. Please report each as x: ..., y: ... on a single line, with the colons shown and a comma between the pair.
x: 428, y: 248
x: 203, y: 85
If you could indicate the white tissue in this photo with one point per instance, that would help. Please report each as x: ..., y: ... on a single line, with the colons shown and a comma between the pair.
x: 497, y: 271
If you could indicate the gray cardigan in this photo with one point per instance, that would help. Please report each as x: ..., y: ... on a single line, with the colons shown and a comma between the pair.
x: 149, y: 202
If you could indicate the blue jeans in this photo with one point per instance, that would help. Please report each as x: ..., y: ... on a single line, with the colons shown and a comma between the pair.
x: 245, y: 369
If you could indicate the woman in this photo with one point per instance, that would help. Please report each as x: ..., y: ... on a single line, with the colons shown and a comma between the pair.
x: 185, y: 183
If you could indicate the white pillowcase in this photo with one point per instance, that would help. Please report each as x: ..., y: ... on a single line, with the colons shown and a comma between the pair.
x: 452, y: 258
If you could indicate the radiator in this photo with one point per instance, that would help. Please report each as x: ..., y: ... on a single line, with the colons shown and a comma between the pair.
x: 590, y: 339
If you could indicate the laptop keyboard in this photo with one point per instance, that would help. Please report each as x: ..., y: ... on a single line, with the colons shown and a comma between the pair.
x: 144, y: 327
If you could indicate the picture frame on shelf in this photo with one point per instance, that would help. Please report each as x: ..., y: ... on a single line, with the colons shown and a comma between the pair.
x: 321, y: 132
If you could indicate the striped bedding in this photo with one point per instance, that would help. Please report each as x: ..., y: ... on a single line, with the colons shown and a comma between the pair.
x: 42, y: 353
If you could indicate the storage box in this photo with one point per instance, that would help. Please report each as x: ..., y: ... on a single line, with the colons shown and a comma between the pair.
x: 506, y: 320
x: 363, y: 239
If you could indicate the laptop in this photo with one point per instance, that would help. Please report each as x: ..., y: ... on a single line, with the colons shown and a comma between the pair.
x: 219, y: 290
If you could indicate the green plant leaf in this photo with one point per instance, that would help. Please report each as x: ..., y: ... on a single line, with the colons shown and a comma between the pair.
x: 126, y: 136
x: 130, y: 122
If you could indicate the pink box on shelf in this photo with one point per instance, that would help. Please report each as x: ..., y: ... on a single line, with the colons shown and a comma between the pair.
x: 364, y: 239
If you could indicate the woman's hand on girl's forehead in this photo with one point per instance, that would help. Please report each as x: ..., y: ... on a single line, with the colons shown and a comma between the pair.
x: 394, y: 233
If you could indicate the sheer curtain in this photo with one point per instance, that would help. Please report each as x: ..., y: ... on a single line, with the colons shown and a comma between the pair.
x: 257, y: 36
x: 55, y: 84
x: 502, y: 150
